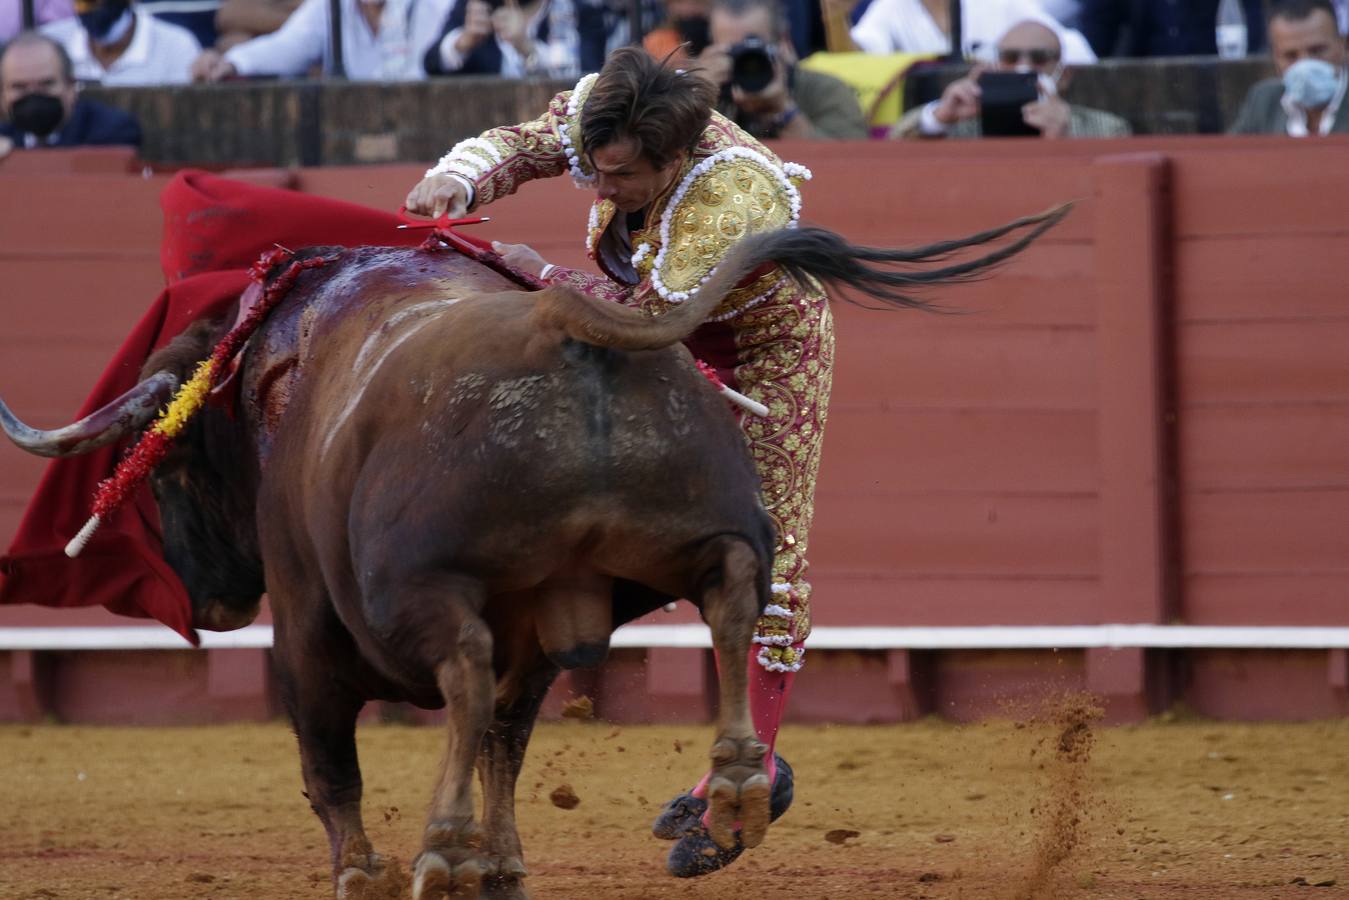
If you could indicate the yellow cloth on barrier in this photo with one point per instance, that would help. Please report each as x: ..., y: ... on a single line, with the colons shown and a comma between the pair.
x: 877, y: 78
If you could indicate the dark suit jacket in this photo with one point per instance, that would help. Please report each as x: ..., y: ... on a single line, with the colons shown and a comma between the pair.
x: 1262, y: 112
x: 1163, y: 27
x: 90, y: 122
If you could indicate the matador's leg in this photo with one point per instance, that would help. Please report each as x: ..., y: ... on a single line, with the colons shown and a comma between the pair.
x: 794, y: 350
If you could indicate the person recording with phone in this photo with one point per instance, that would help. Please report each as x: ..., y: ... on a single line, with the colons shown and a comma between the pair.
x: 1019, y: 95
x: 751, y: 61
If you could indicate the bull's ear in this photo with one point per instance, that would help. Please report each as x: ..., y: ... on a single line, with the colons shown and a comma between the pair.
x: 123, y: 416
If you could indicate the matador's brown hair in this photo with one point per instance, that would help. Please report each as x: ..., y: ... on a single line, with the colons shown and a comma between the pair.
x: 642, y: 99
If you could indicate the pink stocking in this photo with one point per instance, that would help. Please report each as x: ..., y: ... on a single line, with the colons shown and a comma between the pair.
x: 767, y: 701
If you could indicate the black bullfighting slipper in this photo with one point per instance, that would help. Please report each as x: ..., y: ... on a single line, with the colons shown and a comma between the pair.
x: 682, y: 815
x: 696, y: 853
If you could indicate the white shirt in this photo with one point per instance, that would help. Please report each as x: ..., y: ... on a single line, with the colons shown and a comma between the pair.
x: 895, y: 26
x: 159, y: 53
x: 407, y: 30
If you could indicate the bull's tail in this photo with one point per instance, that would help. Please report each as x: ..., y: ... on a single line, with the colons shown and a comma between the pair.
x: 801, y: 252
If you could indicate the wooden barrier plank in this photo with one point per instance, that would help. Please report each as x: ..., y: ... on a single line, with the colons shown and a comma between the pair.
x: 1251, y: 598
x: 1039, y: 369
x: 1267, y: 532
x: 1275, y: 446
x: 945, y: 534
x: 959, y: 450
x: 1263, y: 192
x: 1225, y: 279
x: 1238, y: 364
x: 844, y: 598
x: 41, y: 292
x: 81, y: 214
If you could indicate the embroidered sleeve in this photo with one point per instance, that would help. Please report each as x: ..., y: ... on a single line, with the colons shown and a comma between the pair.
x: 498, y: 161
x: 594, y: 285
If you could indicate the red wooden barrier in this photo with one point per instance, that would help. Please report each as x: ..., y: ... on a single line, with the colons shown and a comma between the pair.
x: 1142, y: 419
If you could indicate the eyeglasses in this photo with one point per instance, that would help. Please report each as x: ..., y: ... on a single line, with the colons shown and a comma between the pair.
x: 1036, y: 56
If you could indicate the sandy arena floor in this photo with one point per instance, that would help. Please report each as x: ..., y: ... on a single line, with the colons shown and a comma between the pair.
x: 931, y: 810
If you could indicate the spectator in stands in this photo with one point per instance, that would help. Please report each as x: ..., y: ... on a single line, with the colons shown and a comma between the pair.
x: 1162, y: 27
x: 114, y: 43
x: 923, y: 26
x: 197, y: 16
x: 1028, y: 46
x: 753, y: 63
x: 684, y: 34
x: 242, y: 20
x: 1308, y: 96
x: 382, y: 40
x: 43, y: 107
x: 508, y: 38
x: 44, y: 11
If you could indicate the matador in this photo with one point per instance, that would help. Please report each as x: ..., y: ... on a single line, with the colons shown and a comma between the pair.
x: 656, y: 239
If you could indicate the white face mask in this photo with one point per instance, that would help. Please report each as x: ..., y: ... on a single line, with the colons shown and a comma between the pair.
x: 1310, y: 83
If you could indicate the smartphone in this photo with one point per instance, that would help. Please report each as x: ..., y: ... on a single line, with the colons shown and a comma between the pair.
x: 1002, y: 94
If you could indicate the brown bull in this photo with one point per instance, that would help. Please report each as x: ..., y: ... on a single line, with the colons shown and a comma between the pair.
x: 450, y: 489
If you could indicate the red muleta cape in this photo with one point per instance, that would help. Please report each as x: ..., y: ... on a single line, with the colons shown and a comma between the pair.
x: 214, y: 228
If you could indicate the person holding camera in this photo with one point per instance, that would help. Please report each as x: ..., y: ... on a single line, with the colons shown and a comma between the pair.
x: 1019, y: 95
x: 752, y: 63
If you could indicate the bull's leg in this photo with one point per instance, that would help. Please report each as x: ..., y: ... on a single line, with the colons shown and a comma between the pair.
x: 738, y: 788
x: 450, y: 861
x: 520, y: 693
x: 324, y: 716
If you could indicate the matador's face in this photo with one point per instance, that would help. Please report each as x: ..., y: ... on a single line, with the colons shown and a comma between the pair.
x: 625, y: 176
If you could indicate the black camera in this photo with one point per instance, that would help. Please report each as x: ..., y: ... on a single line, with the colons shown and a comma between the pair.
x: 753, y: 64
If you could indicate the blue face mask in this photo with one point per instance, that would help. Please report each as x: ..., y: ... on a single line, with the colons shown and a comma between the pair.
x: 1310, y: 83
x: 108, y: 22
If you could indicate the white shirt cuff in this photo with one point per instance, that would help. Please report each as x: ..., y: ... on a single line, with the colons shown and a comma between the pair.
x: 450, y: 57
x: 468, y: 186
x: 927, y: 120
x: 548, y: 269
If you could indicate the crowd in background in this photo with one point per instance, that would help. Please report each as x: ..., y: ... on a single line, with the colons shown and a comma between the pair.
x: 750, y: 48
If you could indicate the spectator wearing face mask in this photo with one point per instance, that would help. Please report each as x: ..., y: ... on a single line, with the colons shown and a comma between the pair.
x: 44, y: 109
x: 117, y: 44
x: 1308, y: 96
x: 1028, y: 46
x: 382, y: 40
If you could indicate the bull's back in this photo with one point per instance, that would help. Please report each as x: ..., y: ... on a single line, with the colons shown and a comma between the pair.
x: 462, y: 411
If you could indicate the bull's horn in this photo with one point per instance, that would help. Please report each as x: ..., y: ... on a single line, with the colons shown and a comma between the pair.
x: 123, y: 416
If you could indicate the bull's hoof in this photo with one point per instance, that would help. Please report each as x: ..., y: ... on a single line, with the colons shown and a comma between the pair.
x: 434, y: 877
x: 374, y: 880
x: 745, y: 804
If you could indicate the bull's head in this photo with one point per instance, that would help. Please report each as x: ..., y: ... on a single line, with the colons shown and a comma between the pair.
x: 204, y: 488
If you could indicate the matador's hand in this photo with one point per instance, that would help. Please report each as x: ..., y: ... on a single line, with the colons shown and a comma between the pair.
x: 436, y: 195
x: 520, y: 256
